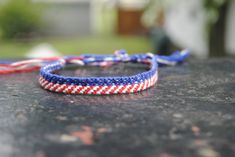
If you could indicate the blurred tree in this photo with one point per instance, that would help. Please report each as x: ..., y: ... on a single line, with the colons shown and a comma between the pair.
x: 154, y: 20
x: 216, y: 24
x: 19, y: 18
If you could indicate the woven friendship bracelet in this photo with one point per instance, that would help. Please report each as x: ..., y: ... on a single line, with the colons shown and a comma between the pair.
x: 95, y: 85
x: 106, y: 85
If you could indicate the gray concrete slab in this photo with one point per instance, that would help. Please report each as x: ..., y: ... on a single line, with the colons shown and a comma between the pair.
x: 190, y: 113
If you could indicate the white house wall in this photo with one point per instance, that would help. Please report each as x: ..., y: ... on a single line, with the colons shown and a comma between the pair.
x: 185, y: 24
x: 230, y: 39
x: 68, y: 19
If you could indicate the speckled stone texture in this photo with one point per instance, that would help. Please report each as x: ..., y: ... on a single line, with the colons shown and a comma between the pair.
x: 190, y: 113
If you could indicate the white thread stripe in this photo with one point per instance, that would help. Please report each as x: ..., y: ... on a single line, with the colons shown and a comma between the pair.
x: 60, y: 87
x: 102, y: 89
x: 68, y: 88
x: 127, y: 87
x: 109, y: 90
x: 48, y: 85
x: 140, y: 87
x: 133, y: 88
x: 92, y: 90
x: 116, y: 91
x: 53, y: 87
x: 75, y: 89
x: 44, y: 83
x: 84, y: 89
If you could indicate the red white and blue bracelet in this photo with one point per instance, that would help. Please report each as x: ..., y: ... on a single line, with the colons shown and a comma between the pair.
x: 95, y: 85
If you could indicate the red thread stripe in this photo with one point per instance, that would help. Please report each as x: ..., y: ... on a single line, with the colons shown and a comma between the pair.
x: 98, y: 90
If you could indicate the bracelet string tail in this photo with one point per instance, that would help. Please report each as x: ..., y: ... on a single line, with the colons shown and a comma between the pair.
x: 106, y: 85
x: 7, y: 67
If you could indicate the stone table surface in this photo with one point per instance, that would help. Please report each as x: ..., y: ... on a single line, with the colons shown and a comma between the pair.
x: 190, y: 113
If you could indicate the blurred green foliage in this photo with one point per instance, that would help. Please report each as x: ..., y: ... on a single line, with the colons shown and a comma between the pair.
x: 75, y: 46
x: 19, y: 18
x: 212, y: 11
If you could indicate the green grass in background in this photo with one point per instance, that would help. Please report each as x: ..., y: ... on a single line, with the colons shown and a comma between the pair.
x: 74, y: 46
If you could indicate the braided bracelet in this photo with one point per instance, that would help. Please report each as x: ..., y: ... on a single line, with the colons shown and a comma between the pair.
x: 95, y: 85
x: 106, y: 85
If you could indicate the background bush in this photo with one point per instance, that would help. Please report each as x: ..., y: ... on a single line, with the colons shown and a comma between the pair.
x: 19, y: 18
